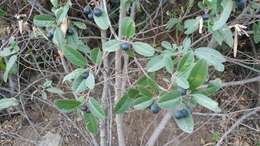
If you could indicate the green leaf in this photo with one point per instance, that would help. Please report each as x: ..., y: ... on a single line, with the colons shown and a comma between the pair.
x: 76, y: 42
x: 128, y: 27
x: 5, y: 52
x: 10, y: 64
x: 62, y: 12
x: 2, y: 12
x: 171, y: 23
x: 90, y: 81
x: 55, y: 3
x: 228, y: 36
x: 112, y: 45
x: 7, y: 102
x: 82, y: 86
x: 47, y: 84
x: 256, y: 32
x: 227, y: 8
x: 80, y: 25
x: 142, y: 103
x: 96, y: 55
x: 67, y: 104
x: 182, y: 81
x: 191, y: 25
x: 166, y: 45
x: 123, y: 104
x: 144, y: 91
x: 43, y: 20
x: 156, y: 63
x: 212, y: 87
x: 76, y: 84
x: 55, y: 90
x: 224, y: 34
x: 168, y: 63
x: 102, y: 21
x: 143, y: 49
x: 206, y: 102
x: 185, y: 62
x: 199, y: 74
x: 169, y: 100
x: 213, y: 57
x: 186, y: 124
x: 132, y: 93
x: 58, y: 37
x: 74, y: 74
x: 96, y: 108
x: 73, y: 56
x: 186, y: 43
x: 90, y: 122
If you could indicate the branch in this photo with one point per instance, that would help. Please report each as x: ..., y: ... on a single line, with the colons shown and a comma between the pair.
x: 242, y: 82
x: 103, y: 138
x: 234, y: 126
x: 118, y: 80
x: 159, y: 129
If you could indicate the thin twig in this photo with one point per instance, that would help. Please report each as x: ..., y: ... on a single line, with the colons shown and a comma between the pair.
x: 234, y: 126
x: 159, y: 129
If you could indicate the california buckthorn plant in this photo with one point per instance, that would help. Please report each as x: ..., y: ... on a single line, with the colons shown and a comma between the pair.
x: 115, y: 58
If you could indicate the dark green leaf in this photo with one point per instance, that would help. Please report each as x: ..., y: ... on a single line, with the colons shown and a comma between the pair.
x: 212, y: 87
x: 123, y: 104
x: 90, y: 122
x: 142, y: 103
x: 132, y: 93
x: 199, y: 74
x: 2, y: 12
x: 185, y: 62
x: 144, y: 91
x: 128, y: 27
x: 96, y: 108
x: 73, y: 56
x: 169, y: 100
x: 67, y: 104
x: 96, y: 55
